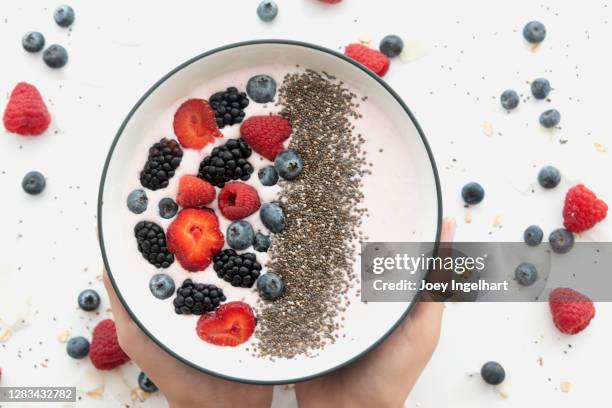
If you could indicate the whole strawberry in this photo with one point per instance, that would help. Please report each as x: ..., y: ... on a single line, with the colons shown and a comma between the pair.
x: 194, y: 192
x: 104, y: 351
x: 266, y: 134
x: 582, y: 209
x: 26, y: 112
x: 376, y: 61
x: 571, y: 310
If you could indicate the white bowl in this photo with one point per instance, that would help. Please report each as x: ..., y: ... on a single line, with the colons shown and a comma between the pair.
x: 410, y: 213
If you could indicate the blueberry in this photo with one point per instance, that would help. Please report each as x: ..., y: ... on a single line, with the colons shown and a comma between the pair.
x: 493, y: 373
x: 288, y: 164
x: 261, y: 88
x: 550, y: 118
x: 267, y: 10
x: 240, y: 235
x: 33, y: 41
x: 472, y: 193
x: 55, y: 56
x: 268, y: 176
x: 64, y: 15
x: 534, y: 32
x: 270, y: 286
x: 533, y: 235
x: 272, y: 217
x: 137, y: 201
x: 525, y: 274
x: 561, y: 241
x: 549, y: 177
x: 77, y: 347
x: 509, y: 99
x: 161, y: 286
x: 167, y: 208
x: 262, y: 242
x: 89, y: 300
x: 540, y: 88
x: 391, y: 46
x: 145, y: 383
x: 33, y: 183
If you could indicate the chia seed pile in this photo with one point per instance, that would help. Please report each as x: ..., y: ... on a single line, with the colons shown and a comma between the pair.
x: 316, y: 252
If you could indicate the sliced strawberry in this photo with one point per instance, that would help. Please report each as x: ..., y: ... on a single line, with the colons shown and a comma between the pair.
x: 195, y: 125
x: 230, y: 325
x: 194, y: 192
x: 194, y: 238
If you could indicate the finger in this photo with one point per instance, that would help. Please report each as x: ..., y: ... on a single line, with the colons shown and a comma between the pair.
x: 449, y: 226
x: 122, y: 318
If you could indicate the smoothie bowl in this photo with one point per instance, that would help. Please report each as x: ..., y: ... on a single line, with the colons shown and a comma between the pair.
x: 234, y: 200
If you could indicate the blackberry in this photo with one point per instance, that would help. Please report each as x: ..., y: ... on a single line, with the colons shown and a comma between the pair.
x: 239, y: 270
x: 227, y: 162
x: 164, y: 158
x: 229, y: 106
x: 197, y: 298
x: 152, y: 244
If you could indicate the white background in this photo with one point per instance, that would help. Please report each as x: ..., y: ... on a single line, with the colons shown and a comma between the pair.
x: 460, y: 57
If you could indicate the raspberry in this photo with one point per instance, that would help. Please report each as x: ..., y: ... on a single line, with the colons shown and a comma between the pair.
x: 105, y: 352
x: 372, y: 59
x: 266, y: 134
x: 194, y: 192
x: 26, y: 112
x: 571, y: 311
x: 582, y: 209
x: 238, y: 200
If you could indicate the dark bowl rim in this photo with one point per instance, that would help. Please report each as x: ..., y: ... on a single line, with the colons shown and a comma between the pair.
x: 142, y: 100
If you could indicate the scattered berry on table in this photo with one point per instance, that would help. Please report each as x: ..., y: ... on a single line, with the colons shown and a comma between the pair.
x: 270, y: 286
x: 240, y: 235
x: 194, y: 238
x: 391, y: 45
x: 194, y: 192
x: 549, y: 177
x: 227, y: 162
x: 472, y: 193
x: 152, y: 244
x: 145, y: 383
x: 267, y: 10
x: 330, y: 1
x: 374, y: 60
x: 167, y: 208
x: 509, y: 99
x: 55, y: 56
x: 534, y: 32
x: 550, y: 118
x: 33, y: 183
x: 533, y: 235
x: 77, y: 347
x: 137, y: 201
x: 239, y: 270
x: 268, y: 176
x: 104, y: 351
x: 540, y: 88
x: 288, y: 164
x: 195, y: 125
x: 262, y: 242
x: 273, y: 217
x: 266, y: 134
x: 89, y: 300
x: 526, y: 274
x: 238, y: 200
x: 197, y: 298
x: 64, y: 15
x: 26, y: 112
x: 492, y: 373
x: 261, y: 88
x: 229, y: 106
x: 161, y: 286
x: 33, y: 41
x: 571, y: 310
x: 230, y: 325
x: 582, y: 209
x: 163, y: 159
x: 561, y: 241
